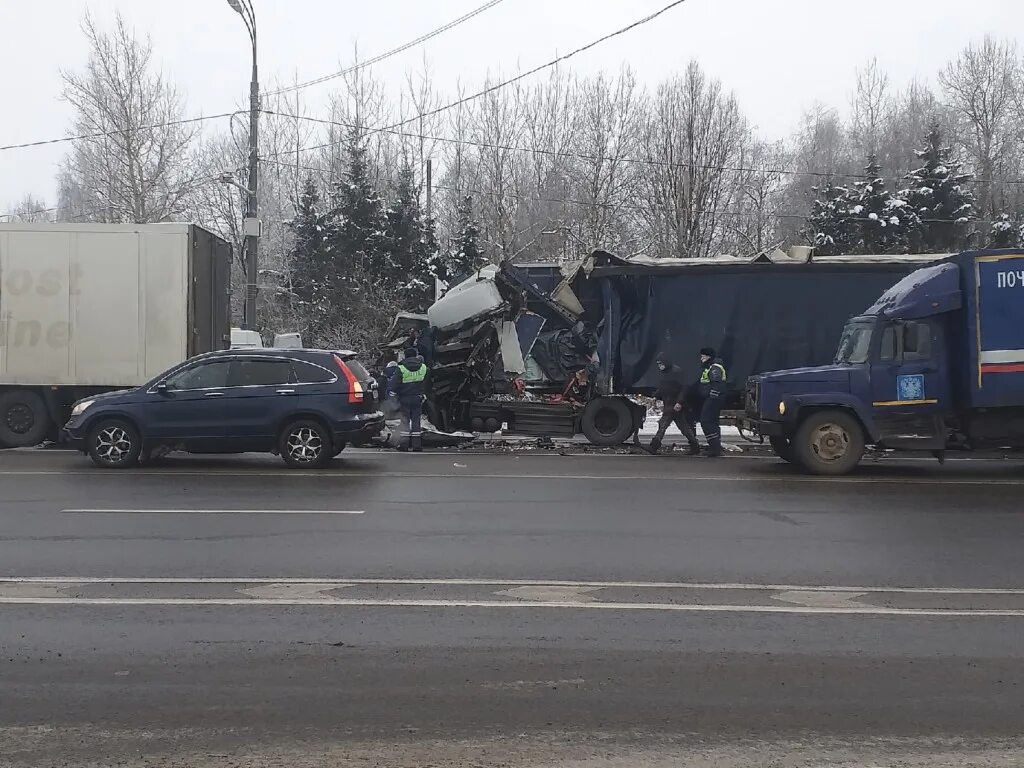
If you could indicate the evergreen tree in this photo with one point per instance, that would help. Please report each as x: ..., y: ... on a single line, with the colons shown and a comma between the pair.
x: 466, y: 256
x: 886, y: 223
x: 359, y: 238
x: 938, y: 194
x: 412, y: 245
x: 830, y: 227
x: 1004, y: 233
x: 311, y: 263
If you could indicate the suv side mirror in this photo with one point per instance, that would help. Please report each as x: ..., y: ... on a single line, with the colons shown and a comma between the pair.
x: 162, y: 387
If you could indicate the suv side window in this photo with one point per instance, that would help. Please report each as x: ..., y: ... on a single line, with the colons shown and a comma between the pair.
x: 210, y: 375
x: 308, y: 373
x: 260, y: 373
x: 917, y: 341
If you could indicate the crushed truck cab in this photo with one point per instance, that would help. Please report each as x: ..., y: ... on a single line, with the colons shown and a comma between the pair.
x: 935, y: 364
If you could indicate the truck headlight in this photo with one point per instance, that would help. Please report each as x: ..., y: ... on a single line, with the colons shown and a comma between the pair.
x: 782, y: 408
x: 79, y: 408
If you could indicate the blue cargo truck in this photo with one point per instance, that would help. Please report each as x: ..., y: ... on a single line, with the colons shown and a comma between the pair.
x: 935, y: 364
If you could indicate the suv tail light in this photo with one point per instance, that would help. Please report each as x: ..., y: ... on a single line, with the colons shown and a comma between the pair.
x: 355, y: 389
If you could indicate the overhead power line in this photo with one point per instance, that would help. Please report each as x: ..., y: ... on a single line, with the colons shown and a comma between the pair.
x: 584, y: 156
x: 118, y: 132
x: 387, y: 54
x: 522, y: 75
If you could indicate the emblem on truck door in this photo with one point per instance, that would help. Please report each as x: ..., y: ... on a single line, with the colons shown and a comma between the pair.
x: 910, y: 387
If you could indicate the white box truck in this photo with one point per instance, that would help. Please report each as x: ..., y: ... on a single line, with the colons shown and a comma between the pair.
x: 88, y: 308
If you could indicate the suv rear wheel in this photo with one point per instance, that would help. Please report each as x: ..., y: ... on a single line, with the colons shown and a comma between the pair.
x: 114, y: 444
x: 305, y: 444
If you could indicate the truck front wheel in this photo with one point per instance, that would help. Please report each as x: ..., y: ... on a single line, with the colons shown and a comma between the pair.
x: 24, y: 420
x: 829, y: 443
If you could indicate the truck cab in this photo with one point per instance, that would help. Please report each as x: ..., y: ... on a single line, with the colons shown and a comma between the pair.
x: 909, y: 373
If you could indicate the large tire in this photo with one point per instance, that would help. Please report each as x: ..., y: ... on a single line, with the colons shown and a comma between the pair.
x: 114, y: 444
x: 783, y: 448
x: 829, y: 443
x: 305, y: 444
x: 24, y: 420
x: 607, y: 421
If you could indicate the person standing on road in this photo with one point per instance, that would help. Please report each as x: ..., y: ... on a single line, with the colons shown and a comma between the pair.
x: 712, y: 388
x: 409, y: 385
x: 670, y: 393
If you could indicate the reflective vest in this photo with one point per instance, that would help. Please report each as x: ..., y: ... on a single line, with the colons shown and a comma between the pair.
x: 705, y: 375
x: 413, y: 377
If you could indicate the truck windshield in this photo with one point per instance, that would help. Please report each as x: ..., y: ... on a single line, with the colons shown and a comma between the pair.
x: 855, y: 345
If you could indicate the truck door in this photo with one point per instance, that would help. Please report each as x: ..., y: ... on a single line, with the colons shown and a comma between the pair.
x: 910, y: 383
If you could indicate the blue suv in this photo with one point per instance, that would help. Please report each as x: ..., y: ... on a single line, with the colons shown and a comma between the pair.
x: 306, y: 405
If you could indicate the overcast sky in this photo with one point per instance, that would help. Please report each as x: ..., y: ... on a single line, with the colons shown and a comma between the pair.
x: 779, y: 56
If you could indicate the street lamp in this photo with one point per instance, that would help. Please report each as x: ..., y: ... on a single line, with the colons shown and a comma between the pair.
x: 251, y: 227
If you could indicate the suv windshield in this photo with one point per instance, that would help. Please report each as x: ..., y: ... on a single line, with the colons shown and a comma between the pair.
x: 855, y: 345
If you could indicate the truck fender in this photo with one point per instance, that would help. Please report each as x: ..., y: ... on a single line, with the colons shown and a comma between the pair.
x: 802, y: 403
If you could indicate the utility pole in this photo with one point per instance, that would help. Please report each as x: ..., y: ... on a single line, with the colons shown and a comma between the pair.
x: 430, y: 189
x: 252, y: 228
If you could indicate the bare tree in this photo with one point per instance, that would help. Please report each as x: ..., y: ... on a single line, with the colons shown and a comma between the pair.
x: 983, y: 86
x: 31, y: 209
x: 870, y: 108
x: 694, y: 132
x: 134, y: 167
x: 754, y: 215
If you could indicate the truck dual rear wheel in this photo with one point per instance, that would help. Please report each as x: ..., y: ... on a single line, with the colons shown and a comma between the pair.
x: 24, y: 420
x: 607, y: 421
x: 829, y: 443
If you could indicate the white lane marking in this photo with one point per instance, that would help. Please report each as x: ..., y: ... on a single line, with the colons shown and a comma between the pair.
x: 549, y: 593
x: 212, y: 511
x: 506, y: 583
x: 290, y: 591
x: 819, y: 598
x: 933, y: 481
x: 508, y: 604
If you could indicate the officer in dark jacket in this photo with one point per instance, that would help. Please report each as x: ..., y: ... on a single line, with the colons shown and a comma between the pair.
x: 670, y: 391
x: 711, y: 387
x: 408, y: 382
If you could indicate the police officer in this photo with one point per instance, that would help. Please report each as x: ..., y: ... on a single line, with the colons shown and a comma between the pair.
x: 408, y: 382
x: 670, y: 391
x: 712, y: 391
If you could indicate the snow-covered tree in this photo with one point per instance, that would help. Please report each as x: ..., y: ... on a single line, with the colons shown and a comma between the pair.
x: 886, y: 223
x: 938, y: 194
x: 830, y: 225
x: 466, y: 255
x: 1004, y: 233
x: 311, y: 264
x: 359, y: 240
x: 411, y: 245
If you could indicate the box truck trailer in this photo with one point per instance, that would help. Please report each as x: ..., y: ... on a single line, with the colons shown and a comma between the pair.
x: 90, y: 308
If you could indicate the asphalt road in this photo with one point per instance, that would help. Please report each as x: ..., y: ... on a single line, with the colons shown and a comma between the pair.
x: 517, y: 610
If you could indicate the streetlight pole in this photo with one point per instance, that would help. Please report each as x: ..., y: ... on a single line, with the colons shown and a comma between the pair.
x: 252, y: 225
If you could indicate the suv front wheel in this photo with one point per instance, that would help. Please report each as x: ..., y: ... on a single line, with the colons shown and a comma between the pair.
x: 114, y: 444
x: 305, y: 444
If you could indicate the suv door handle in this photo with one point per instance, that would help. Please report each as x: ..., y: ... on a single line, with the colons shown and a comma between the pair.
x: 214, y: 394
x: 286, y: 391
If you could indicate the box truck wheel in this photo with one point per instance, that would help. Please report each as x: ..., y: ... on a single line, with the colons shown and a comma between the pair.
x: 783, y: 448
x: 114, y: 444
x: 829, y: 443
x: 24, y: 419
x: 607, y: 421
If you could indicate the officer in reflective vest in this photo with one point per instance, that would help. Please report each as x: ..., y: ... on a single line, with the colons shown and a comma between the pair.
x: 712, y: 389
x: 408, y: 382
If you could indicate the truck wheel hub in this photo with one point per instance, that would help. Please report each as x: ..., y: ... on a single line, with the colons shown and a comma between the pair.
x: 19, y: 418
x: 830, y: 442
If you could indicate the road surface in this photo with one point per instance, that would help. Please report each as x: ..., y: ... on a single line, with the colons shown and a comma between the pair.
x: 529, y: 609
